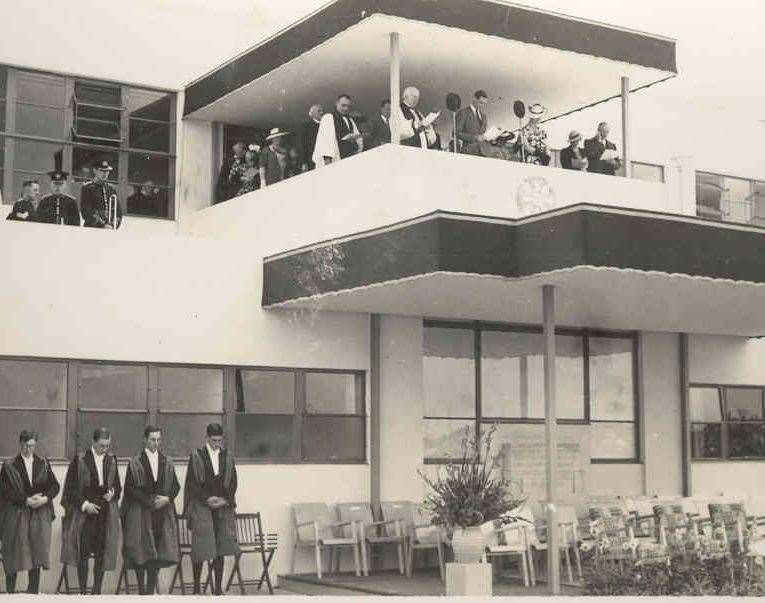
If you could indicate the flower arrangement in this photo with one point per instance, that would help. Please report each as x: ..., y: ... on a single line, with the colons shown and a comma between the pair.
x: 468, y: 493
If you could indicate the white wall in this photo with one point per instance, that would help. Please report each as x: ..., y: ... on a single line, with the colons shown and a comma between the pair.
x: 196, y: 168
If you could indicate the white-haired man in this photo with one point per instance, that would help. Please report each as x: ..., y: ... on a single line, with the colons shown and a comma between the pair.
x: 308, y: 135
x: 414, y: 131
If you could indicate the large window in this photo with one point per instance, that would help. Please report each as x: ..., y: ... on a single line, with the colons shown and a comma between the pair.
x: 650, y: 172
x: 476, y: 375
x: 48, y: 119
x: 729, y: 199
x: 300, y: 416
x: 727, y: 422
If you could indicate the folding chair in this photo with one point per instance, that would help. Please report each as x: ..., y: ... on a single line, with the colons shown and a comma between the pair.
x: 123, y: 584
x: 249, y: 533
x: 420, y: 534
x: 568, y: 540
x: 370, y: 533
x: 510, y: 540
x: 63, y: 580
x: 184, y: 548
x: 315, y: 528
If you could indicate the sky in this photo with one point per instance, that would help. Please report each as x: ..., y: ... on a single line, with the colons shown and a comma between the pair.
x: 714, y: 111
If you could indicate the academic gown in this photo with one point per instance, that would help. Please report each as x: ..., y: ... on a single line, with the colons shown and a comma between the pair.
x: 26, y: 532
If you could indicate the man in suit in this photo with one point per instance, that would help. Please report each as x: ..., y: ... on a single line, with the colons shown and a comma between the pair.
x: 209, y: 503
x: 308, y: 137
x: 58, y: 207
x: 595, y: 147
x: 148, y: 511
x: 380, y: 128
x: 339, y: 136
x: 472, y: 123
x: 98, y: 199
x: 28, y: 486
x: 91, y: 525
x: 25, y: 209
x: 228, y: 182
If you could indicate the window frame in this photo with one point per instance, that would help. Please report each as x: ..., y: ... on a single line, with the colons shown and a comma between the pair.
x: 480, y: 422
x: 725, y: 423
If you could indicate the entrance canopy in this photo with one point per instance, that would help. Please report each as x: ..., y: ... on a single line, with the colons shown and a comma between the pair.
x: 459, y: 46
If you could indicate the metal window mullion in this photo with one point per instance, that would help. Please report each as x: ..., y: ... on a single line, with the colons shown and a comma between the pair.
x: 72, y: 403
x: 586, y: 377
x: 123, y: 148
x: 153, y: 395
x: 477, y: 372
x: 229, y: 407
x: 637, y: 399
x: 724, y: 427
x: 300, y: 415
x: 10, y: 125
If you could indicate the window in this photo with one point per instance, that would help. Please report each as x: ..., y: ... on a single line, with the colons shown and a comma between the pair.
x: 737, y: 202
x: 300, y: 415
x: 727, y: 422
x: 81, y: 122
x: 33, y: 396
x: 648, y: 172
x: 709, y: 192
x: 730, y: 199
x: 758, y: 203
x: 595, y: 389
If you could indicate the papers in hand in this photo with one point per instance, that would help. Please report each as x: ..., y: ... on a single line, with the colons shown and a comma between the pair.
x: 431, y: 117
x: 492, y: 133
x: 609, y: 155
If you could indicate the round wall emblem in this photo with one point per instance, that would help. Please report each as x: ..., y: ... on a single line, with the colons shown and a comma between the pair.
x: 534, y: 195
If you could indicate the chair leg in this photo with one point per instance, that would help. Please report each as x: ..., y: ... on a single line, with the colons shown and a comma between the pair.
x: 234, y: 571
x: 568, y: 566
x: 264, y: 576
x: 409, y: 559
x: 61, y: 579
x: 239, y: 576
x: 356, y: 563
x: 364, y: 558
x: 318, y: 560
x: 180, y: 573
x: 441, y: 561
x: 524, y: 569
x: 532, y: 570
x: 335, y: 556
x: 400, y: 552
x: 578, y: 559
x: 294, y: 556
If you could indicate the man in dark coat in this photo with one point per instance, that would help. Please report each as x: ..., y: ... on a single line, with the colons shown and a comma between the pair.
x: 28, y: 487
x: 150, y: 532
x: 228, y: 179
x: 209, y: 501
x: 472, y: 123
x: 98, y: 200
x: 91, y: 525
x: 381, y: 126
x: 308, y: 134
x: 339, y: 136
x: 595, y: 147
x: 25, y: 209
x: 58, y: 207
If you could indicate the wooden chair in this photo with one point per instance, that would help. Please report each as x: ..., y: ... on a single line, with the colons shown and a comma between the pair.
x: 567, y: 530
x: 512, y: 540
x: 63, y: 581
x: 729, y: 520
x: 420, y: 534
x: 373, y: 533
x: 756, y: 526
x: 252, y: 540
x: 315, y: 528
x: 123, y: 584
x: 184, y: 549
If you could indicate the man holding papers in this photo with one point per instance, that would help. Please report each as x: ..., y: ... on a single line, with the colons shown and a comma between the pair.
x: 416, y: 129
x: 472, y: 123
x: 601, y: 152
x: 338, y: 136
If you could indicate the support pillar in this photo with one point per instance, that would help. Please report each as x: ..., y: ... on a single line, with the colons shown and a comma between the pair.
x: 395, y: 87
x: 374, y: 410
x: 685, y: 415
x: 626, y: 151
x: 551, y: 440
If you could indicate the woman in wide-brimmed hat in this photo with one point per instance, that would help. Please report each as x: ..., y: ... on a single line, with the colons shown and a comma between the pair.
x: 573, y: 157
x: 533, y: 138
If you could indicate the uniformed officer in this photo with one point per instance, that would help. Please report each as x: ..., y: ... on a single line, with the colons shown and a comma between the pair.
x: 58, y: 207
x: 25, y: 209
x: 98, y: 198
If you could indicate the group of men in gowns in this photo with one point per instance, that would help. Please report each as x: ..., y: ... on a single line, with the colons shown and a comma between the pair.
x: 94, y: 522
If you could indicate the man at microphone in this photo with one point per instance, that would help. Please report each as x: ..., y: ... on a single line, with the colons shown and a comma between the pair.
x: 58, y: 207
x: 98, y: 200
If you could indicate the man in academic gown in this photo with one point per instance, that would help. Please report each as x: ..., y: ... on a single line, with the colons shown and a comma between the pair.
x: 150, y: 532
x: 339, y: 136
x: 381, y: 126
x: 209, y: 501
x: 58, y: 207
x: 91, y: 525
x: 28, y: 487
x: 414, y: 133
x: 98, y: 199
x: 25, y: 209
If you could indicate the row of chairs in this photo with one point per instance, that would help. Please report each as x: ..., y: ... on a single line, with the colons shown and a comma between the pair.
x: 252, y: 541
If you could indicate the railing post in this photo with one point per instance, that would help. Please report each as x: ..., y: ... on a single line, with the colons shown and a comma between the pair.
x: 627, y: 155
x: 395, y: 87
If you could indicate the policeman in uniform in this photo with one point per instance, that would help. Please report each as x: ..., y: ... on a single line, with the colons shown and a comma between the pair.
x: 25, y: 209
x: 58, y: 207
x: 97, y: 199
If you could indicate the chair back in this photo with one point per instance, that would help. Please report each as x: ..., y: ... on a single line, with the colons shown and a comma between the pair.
x: 403, y: 510
x: 359, y: 512
x: 184, y: 534
x: 249, y: 530
x: 312, y: 512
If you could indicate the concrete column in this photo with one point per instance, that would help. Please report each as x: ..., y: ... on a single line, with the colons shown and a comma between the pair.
x: 395, y: 86
x: 551, y: 440
x: 626, y: 152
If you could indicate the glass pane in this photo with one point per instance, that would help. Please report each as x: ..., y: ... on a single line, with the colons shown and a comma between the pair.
x: 737, y: 200
x: 612, y: 441
x: 443, y: 437
x: 3, y: 80
x: 182, y: 433
x: 83, y: 159
x: 264, y: 436
x: 648, y: 172
x: 33, y: 156
x: 190, y: 389
x: 706, y: 440
x: 94, y: 122
x: 32, y: 384
x: 50, y: 427
x: 746, y: 440
x: 152, y: 168
x: 41, y: 89
x: 270, y: 392
x: 330, y: 393
x: 743, y: 403
x: 334, y: 438
x: 149, y: 135
x: 448, y: 372
x: 512, y: 375
x: 149, y: 201
x: 97, y: 94
x: 146, y: 104
x: 612, y: 386
x: 705, y: 404
x: 758, y: 203
x: 709, y: 192
x: 126, y: 430
x: 40, y: 121
x: 119, y: 387
x: 2, y: 114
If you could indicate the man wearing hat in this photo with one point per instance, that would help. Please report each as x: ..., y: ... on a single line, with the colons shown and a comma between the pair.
x: 472, y: 123
x: 25, y: 209
x: 572, y: 157
x: 98, y: 199
x: 601, y: 152
x: 58, y: 207
x: 276, y: 163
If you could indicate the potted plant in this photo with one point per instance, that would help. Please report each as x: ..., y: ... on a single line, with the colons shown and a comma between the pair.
x: 468, y: 498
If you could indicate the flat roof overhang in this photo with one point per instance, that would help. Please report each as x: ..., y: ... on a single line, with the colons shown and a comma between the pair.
x: 449, y: 45
x: 614, y: 269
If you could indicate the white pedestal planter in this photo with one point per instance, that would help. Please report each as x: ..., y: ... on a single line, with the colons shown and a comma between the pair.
x: 468, y: 579
x: 468, y: 544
